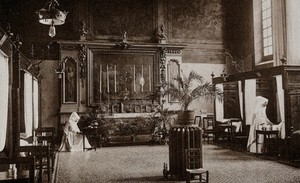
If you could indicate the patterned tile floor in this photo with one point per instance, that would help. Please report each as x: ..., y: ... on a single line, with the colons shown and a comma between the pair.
x: 145, y: 164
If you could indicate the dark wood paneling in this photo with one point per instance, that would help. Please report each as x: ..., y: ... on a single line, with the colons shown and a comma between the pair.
x: 231, y: 101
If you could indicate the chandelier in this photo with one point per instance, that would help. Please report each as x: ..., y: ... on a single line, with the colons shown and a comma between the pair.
x: 52, y: 16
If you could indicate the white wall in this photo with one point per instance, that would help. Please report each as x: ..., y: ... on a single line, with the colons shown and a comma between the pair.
x: 293, y: 31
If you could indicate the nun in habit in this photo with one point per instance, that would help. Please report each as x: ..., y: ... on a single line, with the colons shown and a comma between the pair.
x: 73, y: 139
x: 260, y: 120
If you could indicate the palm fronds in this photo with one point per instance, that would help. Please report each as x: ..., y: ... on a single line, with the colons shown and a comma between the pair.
x: 183, y: 89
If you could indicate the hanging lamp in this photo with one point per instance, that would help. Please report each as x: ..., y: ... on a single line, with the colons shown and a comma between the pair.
x: 50, y: 15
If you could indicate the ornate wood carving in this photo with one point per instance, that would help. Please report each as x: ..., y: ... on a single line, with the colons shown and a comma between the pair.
x: 82, y: 58
x: 68, y: 47
x: 174, y: 51
x: 115, y: 77
x: 163, y: 59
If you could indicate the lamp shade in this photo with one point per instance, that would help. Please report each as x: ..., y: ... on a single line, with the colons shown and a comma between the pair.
x: 52, y: 16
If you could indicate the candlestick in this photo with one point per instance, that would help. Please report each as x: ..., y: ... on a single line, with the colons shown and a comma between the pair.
x: 115, y: 78
x: 100, y: 79
x: 142, y: 78
x: 149, y: 79
x: 107, y: 78
x: 133, y: 78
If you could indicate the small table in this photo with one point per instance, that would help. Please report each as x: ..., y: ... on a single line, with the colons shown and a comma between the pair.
x: 91, y: 131
x: 266, y: 137
x: 22, y: 176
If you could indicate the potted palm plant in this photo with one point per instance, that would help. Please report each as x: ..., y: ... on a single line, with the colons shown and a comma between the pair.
x: 187, y: 89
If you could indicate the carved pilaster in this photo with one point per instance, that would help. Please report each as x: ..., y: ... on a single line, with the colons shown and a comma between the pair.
x: 163, y: 58
x: 82, y: 58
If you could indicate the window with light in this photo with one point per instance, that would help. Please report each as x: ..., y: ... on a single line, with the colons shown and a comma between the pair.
x: 267, y: 30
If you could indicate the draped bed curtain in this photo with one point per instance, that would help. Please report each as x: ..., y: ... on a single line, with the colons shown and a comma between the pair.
x: 219, y: 105
x: 250, y: 95
x: 241, y: 98
x: 28, y: 104
x: 4, y: 91
x: 35, y: 103
x: 280, y: 100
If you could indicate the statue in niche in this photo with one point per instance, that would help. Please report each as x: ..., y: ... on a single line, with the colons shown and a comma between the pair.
x: 70, y: 80
x: 70, y: 73
x: 162, y: 36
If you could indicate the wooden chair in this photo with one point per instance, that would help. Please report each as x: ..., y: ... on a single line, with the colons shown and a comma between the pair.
x: 240, y: 139
x: 45, y: 136
x: 194, y: 165
x: 224, y: 131
x: 25, y: 169
x: 42, y: 158
x: 197, y: 121
x: 208, y: 126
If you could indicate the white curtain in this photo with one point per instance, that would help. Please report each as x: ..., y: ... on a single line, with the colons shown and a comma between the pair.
x: 219, y: 105
x: 4, y: 89
x: 241, y: 98
x: 28, y: 104
x: 250, y: 95
x: 280, y: 99
x: 35, y: 103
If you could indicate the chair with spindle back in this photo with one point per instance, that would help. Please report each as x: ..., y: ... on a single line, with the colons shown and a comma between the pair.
x: 42, y: 158
x: 208, y: 126
x: 194, y: 165
x: 47, y: 135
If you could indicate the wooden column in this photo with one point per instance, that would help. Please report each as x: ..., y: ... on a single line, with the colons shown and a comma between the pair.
x: 16, y: 96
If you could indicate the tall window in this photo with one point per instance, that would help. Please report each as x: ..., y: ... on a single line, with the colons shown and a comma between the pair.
x: 267, y: 30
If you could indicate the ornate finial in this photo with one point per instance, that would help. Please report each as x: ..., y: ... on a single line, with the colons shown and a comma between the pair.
x: 125, y: 37
x: 8, y: 31
x: 283, y: 60
x: 224, y: 75
x: 83, y: 30
x: 124, y: 44
x: 162, y: 36
x: 18, y: 43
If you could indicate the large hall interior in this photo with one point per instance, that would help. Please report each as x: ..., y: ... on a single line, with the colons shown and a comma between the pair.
x: 150, y: 91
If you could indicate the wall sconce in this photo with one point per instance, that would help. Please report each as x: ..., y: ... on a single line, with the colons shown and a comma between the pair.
x: 224, y: 75
x: 35, y: 59
x: 60, y: 71
x: 234, y: 63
